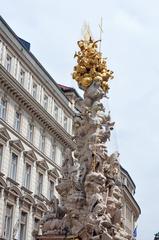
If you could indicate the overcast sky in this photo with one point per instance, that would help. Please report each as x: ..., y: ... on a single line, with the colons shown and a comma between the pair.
x: 131, y: 43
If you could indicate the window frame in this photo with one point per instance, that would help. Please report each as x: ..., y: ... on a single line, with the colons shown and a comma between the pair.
x: 36, y: 224
x: 65, y: 124
x: 53, y: 150
x: 30, y: 136
x: 46, y: 103
x: 40, y: 184
x: 22, y: 81
x: 35, y: 93
x: 62, y: 148
x: 42, y: 141
x: 7, y: 66
x: 1, y: 50
x: 5, y: 229
x: 51, y: 191
x: 13, y: 175
x: 56, y: 113
x: 3, y: 108
x: 17, y: 122
x: 26, y: 182
x: 24, y: 224
x: 1, y: 154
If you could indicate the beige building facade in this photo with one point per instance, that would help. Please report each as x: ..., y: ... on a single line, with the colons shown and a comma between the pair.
x: 36, y: 116
x: 131, y: 209
x: 35, y: 128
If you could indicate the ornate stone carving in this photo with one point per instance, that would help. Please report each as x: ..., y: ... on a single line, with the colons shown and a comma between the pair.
x: 90, y: 183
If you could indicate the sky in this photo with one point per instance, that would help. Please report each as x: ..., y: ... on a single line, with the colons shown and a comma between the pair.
x: 130, y: 41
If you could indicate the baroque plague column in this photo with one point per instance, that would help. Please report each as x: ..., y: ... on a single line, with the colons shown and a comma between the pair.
x: 89, y: 189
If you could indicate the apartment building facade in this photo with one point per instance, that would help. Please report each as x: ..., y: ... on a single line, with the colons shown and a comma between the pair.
x: 35, y: 129
x: 130, y: 209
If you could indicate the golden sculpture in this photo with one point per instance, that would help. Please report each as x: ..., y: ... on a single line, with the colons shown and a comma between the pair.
x: 91, y: 66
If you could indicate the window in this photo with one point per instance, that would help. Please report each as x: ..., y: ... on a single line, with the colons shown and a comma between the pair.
x: 53, y: 150
x: 61, y: 116
x: 42, y: 141
x: 40, y: 183
x: 45, y: 103
x: 27, y: 176
x: 36, y: 224
x: 8, y: 62
x: 62, y: 155
x: 22, y: 76
x: 36, y: 227
x: 128, y: 215
x: 8, y: 222
x: 129, y: 186
x: 56, y: 111
x: 1, y: 154
x: 65, y: 123
x: 17, y: 121
x: 3, y: 107
x: 23, y: 225
x: 30, y: 132
x: 13, y: 169
x: 123, y: 179
x: 51, y: 189
x: 1, y: 50
x: 28, y: 84
x: 34, y: 90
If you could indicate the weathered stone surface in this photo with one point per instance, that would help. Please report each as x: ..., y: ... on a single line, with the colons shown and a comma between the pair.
x: 51, y: 237
x: 90, y: 184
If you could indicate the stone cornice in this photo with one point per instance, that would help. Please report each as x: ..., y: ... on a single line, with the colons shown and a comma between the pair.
x: 26, y: 190
x: 28, y: 103
x: 12, y: 181
x: 42, y: 164
x: 54, y: 173
x: 33, y: 64
x: 30, y: 155
x: 17, y: 145
x: 4, y: 134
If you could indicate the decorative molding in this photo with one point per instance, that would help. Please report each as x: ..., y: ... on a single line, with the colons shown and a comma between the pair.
x: 33, y: 65
x: 18, y: 135
x: 12, y: 182
x: 26, y: 190
x: 39, y: 197
x: 41, y: 206
x: 30, y: 155
x: 17, y: 144
x: 42, y: 164
x: 14, y: 190
x: 54, y: 173
x: 4, y: 135
x: 3, y: 183
x: 28, y: 199
x: 2, y: 174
